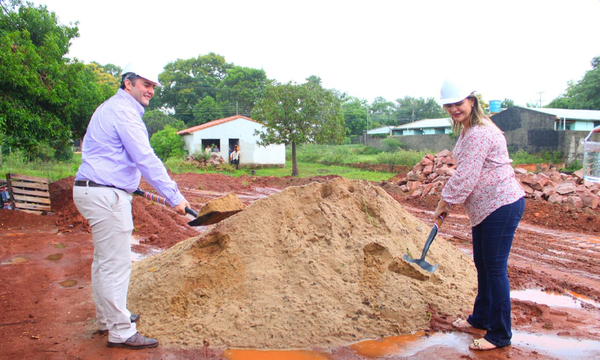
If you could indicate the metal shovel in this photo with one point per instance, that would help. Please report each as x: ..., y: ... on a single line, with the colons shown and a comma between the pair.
x: 421, y: 262
x: 211, y: 217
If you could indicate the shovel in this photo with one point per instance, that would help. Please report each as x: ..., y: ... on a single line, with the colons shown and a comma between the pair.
x: 207, y: 216
x: 421, y: 262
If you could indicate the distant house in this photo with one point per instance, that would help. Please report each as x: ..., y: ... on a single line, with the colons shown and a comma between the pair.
x: 577, y: 120
x: 425, y: 127
x: 381, y: 130
x: 226, y: 133
x: 542, y: 129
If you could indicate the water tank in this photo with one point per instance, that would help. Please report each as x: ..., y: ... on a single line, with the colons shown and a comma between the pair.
x: 495, y: 106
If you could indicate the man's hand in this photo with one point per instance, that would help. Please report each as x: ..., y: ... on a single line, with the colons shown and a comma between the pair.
x: 181, y: 207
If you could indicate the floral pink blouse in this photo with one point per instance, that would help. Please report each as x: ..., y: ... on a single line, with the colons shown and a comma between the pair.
x: 484, y: 181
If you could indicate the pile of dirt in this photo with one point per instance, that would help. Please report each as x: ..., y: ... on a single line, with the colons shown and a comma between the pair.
x: 313, y: 265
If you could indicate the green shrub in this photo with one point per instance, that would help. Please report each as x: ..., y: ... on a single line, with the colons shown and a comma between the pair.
x: 574, y: 166
x: 391, y: 144
x: 369, y: 150
x: 336, y: 155
x: 166, y: 143
x: 523, y: 157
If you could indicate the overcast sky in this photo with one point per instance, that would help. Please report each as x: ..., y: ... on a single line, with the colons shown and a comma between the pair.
x: 506, y: 49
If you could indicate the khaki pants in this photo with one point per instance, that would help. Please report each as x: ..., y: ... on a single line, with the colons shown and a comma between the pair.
x: 108, y: 210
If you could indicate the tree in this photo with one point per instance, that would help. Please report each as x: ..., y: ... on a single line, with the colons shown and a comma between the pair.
x: 507, y: 103
x: 382, y: 112
x: 296, y: 114
x: 355, y: 115
x: 186, y: 81
x: 44, y: 95
x: 166, y: 143
x: 239, y: 90
x: 314, y: 79
x: 585, y: 94
x: 157, y: 120
x: 107, y: 74
x: 206, y: 110
x: 411, y: 109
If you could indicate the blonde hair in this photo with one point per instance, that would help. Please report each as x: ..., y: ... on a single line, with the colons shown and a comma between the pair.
x: 476, y: 118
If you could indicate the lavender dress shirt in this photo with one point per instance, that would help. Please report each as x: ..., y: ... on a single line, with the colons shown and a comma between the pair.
x: 116, y: 150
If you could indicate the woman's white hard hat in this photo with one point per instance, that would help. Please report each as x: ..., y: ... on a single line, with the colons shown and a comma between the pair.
x: 143, y: 72
x: 453, y: 92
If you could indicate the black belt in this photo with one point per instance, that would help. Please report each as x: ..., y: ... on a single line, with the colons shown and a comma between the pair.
x: 91, y: 184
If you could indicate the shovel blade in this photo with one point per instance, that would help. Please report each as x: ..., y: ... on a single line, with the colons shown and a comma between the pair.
x: 212, y: 217
x: 422, y: 264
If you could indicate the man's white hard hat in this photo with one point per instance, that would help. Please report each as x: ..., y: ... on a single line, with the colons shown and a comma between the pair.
x: 453, y: 92
x: 143, y: 72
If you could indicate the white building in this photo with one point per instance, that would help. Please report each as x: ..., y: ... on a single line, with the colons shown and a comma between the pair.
x: 226, y: 133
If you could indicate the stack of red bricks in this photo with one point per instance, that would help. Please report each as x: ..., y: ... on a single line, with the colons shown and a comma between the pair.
x: 429, y: 176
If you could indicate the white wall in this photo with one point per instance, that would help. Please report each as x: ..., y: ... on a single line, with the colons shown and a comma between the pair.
x: 243, y: 130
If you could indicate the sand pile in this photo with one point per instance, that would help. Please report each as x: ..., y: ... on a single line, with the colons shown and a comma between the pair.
x: 314, y: 265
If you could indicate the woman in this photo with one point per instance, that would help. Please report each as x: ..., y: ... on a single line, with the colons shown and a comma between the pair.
x: 485, y: 183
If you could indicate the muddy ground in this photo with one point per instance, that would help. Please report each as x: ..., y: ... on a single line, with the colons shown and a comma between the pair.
x: 48, y: 311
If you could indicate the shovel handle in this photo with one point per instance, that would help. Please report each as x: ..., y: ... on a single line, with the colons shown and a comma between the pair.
x: 440, y: 219
x: 160, y: 200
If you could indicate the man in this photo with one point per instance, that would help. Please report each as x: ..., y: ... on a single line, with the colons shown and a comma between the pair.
x: 115, y: 154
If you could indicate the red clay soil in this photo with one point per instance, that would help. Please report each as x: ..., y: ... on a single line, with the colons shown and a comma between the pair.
x: 46, y: 297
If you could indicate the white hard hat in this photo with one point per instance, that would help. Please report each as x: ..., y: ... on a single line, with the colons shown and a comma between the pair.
x: 452, y: 92
x: 143, y: 72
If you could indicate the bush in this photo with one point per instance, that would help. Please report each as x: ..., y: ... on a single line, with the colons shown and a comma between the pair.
x: 391, y: 144
x: 336, y: 155
x: 166, y: 143
x: 369, y: 150
x: 523, y: 157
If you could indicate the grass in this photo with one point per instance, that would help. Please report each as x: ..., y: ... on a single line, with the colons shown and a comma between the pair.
x: 18, y: 163
x: 313, y: 160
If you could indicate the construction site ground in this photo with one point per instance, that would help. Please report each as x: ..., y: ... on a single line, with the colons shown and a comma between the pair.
x: 48, y: 309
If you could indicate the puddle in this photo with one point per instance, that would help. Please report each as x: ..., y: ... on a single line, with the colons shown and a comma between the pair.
x: 147, y: 251
x: 558, y: 346
x: 54, y: 257
x: 68, y: 283
x: 408, y: 346
x: 135, y: 240
x: 15, y: 261
x: 553, y: 299
x: 242, y: 354
x: 59, y: 246
x: 386, y: 348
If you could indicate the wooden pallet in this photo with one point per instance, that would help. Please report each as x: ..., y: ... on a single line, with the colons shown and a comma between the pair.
x: 29, y: 193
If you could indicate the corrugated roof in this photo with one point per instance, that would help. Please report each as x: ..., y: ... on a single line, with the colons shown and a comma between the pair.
x: 213, y: 123
x: 381, y: 130
x: 570, y: 113
x: 426, y: 124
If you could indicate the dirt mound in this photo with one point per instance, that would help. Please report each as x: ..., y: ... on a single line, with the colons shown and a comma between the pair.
x: 314, y: 265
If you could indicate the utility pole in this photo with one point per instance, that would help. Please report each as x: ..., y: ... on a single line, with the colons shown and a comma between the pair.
x: 540, y: 92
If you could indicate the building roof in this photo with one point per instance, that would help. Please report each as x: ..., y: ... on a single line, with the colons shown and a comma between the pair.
x: 381, y: 130
x: 570, y: 113
x: 426, y: 124
x: 213, y: 123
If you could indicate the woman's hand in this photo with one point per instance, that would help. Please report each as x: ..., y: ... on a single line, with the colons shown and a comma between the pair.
x: 443, y: 207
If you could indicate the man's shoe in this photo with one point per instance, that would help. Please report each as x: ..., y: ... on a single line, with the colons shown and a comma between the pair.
x: 136, y: 342
x: 133, y: 318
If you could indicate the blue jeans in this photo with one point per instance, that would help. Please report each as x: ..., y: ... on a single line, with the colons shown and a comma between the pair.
x: 492, y: 240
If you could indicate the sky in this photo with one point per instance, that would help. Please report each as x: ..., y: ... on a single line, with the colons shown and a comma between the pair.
x: 524, y: 50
